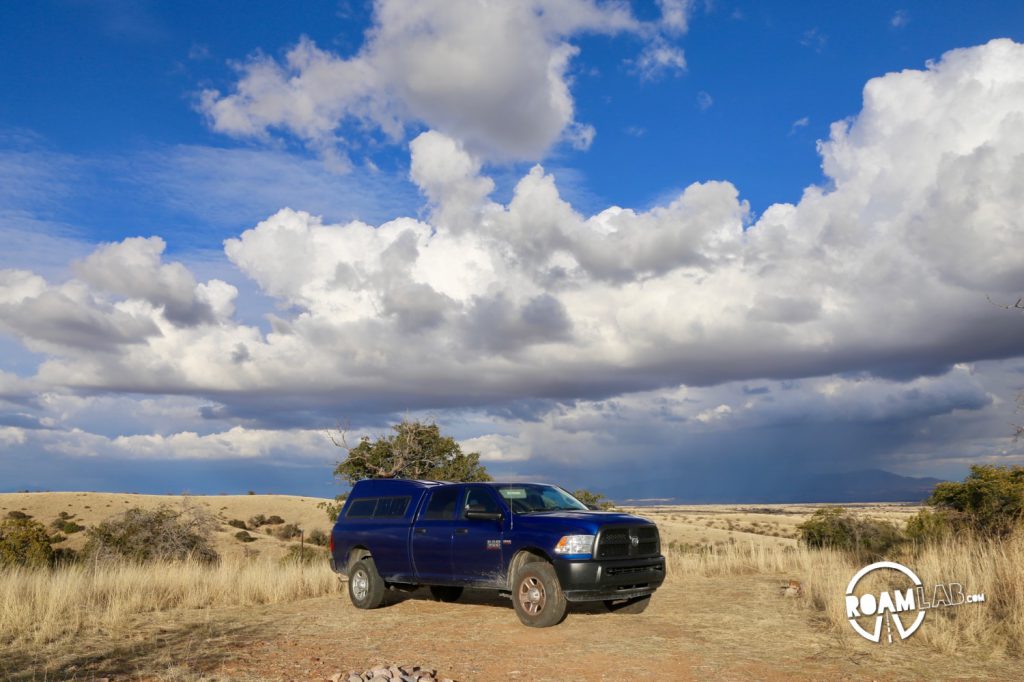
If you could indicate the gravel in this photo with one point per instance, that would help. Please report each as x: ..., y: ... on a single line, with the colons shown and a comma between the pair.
x: 394, y: 673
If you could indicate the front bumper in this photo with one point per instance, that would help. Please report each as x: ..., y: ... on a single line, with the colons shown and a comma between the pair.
x: 610, y: 579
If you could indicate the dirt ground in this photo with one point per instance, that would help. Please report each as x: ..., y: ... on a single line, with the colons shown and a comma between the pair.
x: 697, y: 628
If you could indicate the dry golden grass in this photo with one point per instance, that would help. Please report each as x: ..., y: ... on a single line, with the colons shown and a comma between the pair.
x: 49, y: 605
x: 256, y: 619
x: 993, y: 630
x: 91, y: 508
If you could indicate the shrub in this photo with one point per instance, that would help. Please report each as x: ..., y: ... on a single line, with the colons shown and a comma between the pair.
x: 24, y: 542
x: 836, y: 528
x: 257, y: 521
x: 243, y: 536
x: 990, y: 501
x: 160, y: 534
x: 274, y: 520
x: 238, y: 523
x: 297, y: 554
x: 64, y: 556
x: 18, y: 515
x: 927, y: 526
x: 287, y: 531
x: 333, y: 509
x: 318, y: 537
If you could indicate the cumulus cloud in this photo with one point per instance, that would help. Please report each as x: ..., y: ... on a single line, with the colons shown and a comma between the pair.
x: 879, y: 278
x: 884, y: 270
x: 493, y: 75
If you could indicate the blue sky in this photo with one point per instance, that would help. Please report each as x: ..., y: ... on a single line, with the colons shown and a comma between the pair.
x: 587, y: 233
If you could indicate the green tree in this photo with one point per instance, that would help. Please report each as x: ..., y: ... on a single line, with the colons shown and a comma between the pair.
x: 990, y: 501
x: 24, y: 542
x: 592, y: 499
x: 413, y: 450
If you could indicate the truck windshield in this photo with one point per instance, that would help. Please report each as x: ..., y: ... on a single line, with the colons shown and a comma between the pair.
x: 527, y: 498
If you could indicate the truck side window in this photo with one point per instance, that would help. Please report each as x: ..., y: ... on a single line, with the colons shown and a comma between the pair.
x: 481, y: 499
x: 442, y: 504
x: 391, y: 507
x: 362, y: 508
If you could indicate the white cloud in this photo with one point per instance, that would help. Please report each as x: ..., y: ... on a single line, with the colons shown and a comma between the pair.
x: 802, y: 122
x: 900, y: 19
x: 11, y: 435
x: 675, y: 14
x: 493, y: 76
x: 235, y: 443
x: 659, y: 58
x: 884, y: 271
x: 704, y: 101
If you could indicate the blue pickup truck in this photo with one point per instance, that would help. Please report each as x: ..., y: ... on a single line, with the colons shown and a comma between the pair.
x: 533, y: 542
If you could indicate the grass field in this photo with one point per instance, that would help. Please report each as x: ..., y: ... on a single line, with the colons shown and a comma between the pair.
x: 719, y: 615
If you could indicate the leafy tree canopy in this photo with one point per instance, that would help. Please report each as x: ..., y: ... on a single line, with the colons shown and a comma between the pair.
x: 413, y: 450
x: 592, y: 499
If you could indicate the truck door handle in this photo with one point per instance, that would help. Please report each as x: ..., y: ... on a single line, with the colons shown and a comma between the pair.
x: 421, y: 531
x: 461, y: 531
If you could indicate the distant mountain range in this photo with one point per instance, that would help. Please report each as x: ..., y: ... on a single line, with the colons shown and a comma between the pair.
x: 869, y: 485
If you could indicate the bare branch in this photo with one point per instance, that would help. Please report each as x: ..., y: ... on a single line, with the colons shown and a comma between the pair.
x: 1019, y: 305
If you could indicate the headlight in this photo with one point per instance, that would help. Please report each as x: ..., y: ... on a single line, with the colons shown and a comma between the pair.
x: 575, y: 544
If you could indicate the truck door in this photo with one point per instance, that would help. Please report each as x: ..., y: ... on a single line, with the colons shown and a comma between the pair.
x: 477, y: 547
x: 432, y: 535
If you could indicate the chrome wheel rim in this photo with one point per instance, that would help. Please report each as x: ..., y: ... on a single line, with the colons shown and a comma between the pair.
x: 531, y: 595
x: 360, y: 585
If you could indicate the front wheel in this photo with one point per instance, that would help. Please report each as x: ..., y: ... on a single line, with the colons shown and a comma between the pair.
x: 537, y: 596
x: 634, y: 605
x: 365, y: 586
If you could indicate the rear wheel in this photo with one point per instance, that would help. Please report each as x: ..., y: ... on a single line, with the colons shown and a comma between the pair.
x: 445, y: 593
x: 537, y: 596
x: 365, y: 586
x: 634, y: 605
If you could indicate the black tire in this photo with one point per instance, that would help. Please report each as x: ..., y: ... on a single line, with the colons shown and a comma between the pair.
x: 634, y: 605
x: 537, y: 596
x: 444, y: 593
x: 365, y: 586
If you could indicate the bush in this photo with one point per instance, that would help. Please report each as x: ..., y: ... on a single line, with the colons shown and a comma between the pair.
x: 257, y: 521
x: 18, y: 515
x: 304, y: 555
x: 927, y: 526
x: 24, y: 542
x: 286, y: 532
x: 238, y: 523
x: 989, y: 502
x: 333, y: 509
x: 243, y: 536
x: 864, y: 539
x: 64, y: 523
x: 160, y: 534
x: 318, y: 537
x: 274, y: 520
